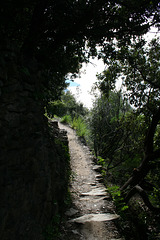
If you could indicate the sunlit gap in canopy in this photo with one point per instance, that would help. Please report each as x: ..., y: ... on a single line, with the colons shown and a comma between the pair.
x: 81, y: 85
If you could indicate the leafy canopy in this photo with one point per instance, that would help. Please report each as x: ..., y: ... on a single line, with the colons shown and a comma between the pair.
x: 59, y: 31
x: 54, y: 37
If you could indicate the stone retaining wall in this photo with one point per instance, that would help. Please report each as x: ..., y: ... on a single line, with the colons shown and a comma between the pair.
x: 33, y: 167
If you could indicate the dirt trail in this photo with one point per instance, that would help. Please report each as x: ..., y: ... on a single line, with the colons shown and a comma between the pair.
x: 93, y: 214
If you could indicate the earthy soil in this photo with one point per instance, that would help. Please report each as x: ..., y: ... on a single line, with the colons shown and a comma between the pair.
x: 92, y: 215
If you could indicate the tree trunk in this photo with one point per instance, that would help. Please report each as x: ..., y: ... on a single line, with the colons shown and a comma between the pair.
x: 143, y: 194
x: 149, y: 155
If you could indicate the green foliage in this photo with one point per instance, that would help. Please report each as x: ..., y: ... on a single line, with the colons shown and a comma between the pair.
x: 67, y: 105
x: 128, y: 138
x: 101, y: 161
x: 56, y: 108
x: 118, y: 131
x: 75, y: 113
x: 114, y: 190
x: 66, y: 119
x: 155, y: 197
x: 107, y: 80
x: 56, y: 37
x: 73, y: 107
x: 154, y: 178
x: 79, y: 125
x: 70, y: 102
x: 103, y: 111
x: 118, y: 135
x: 118, y: 199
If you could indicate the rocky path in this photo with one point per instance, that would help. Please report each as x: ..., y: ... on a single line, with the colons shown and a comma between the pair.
x: 92, y: 215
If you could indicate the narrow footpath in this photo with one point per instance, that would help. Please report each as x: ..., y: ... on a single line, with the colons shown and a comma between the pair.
x: 92, y: 215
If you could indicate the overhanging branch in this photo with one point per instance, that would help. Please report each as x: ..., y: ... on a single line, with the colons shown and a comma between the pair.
x: 143, y: 194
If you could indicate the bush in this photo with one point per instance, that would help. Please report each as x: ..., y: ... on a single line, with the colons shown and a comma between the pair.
x: 79, y: 125
x: 56, y: 108
x: 66, y: 119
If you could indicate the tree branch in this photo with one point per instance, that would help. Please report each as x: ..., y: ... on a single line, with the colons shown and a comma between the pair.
x: 153, y: 84
x: 151, y: 132
x: 143, y: 194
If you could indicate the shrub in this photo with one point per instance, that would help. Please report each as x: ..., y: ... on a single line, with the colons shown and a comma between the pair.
x: 79, y: 125
x: 66, y: 119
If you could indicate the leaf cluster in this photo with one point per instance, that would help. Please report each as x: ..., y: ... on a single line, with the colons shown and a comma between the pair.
x: 61, y: 35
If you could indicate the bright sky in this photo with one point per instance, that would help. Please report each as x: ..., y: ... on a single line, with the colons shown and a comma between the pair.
x: 82, y: 85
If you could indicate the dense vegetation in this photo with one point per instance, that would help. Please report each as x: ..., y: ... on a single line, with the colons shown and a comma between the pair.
x: 130, y: 143
x: 130, y: 116
x: 123, y: 127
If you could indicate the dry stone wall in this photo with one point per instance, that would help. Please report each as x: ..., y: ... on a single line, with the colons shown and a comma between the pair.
x: 33, y: 165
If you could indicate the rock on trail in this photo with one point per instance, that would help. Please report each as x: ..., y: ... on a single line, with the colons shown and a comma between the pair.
x: 99, y: 217
x: 92, y: 216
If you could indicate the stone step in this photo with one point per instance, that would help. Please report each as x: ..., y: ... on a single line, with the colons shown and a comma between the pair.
x: 71, y: 212
x: 95, y: 199
x: 95, y: 192
x: 98, y: 175
x: 97, y: 168
x: 100, y: 217
x: 99, y: 178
